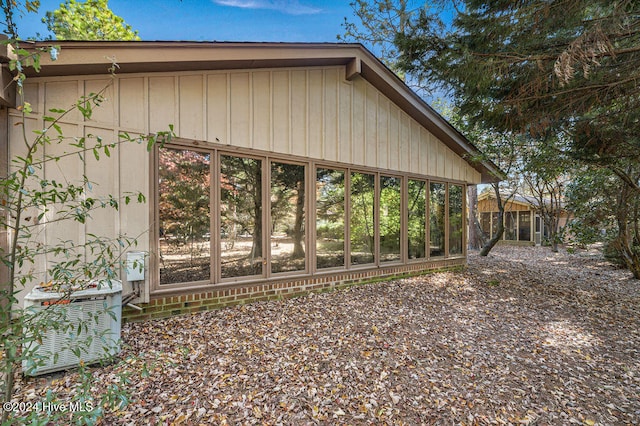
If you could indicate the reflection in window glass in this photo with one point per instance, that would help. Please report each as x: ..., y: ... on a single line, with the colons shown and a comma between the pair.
x: 455, y: 219
x: 510, y: 226
x: 524, y: 226
x: 330, y: 199
x: 437, y: 199
x: 416, y: 221
x: 287, y: 217
x: 362, y: 226
x: 240, y: 216
x: 390, y: 218
x: 183, y: 201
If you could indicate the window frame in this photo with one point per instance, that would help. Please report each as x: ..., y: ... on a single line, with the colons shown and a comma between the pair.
x: 307, y: 227
x: 403, y: 221
x: 311, y: 166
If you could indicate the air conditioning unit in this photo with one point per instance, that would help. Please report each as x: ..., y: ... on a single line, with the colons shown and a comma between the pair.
x: 95, y: 312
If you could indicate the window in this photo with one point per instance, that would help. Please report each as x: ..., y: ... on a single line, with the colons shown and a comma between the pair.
x: 240, y: 216
x: 184, y: 218
x: 455, y: 219
x: 416, y: 220
x: 524, y: 226
x: 437, y: 199
x: 510, y: 226
x: 253, y: 222
x: 330, y: 229
x: 362, y: 221
x: 287, y: 217
x: 390, y: 218
x: 485, y: 224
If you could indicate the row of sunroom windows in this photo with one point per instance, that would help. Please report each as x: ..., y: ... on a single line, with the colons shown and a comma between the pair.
x: 249, y: 215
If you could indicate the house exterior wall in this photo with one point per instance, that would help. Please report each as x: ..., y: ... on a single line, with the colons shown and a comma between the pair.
x: 312, y: 113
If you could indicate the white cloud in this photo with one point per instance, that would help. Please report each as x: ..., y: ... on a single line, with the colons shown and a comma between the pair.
x: 291, y: 7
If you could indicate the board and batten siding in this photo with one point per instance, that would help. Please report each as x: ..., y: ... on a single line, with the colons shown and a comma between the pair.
x: 305, y: 112
x: 490, y: 205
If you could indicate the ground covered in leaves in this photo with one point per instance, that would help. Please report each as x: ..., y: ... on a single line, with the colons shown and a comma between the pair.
x: 524, y: 336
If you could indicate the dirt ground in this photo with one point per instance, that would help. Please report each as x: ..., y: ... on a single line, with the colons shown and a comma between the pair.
x: 524, y: 336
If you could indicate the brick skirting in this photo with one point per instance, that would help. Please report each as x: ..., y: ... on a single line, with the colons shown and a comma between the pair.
x: 168, y: 305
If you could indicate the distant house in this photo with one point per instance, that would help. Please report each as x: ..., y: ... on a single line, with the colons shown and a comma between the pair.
x: 523, y: 222
x: 296, y: 167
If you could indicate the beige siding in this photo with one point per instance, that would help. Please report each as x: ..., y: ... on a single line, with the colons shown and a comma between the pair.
x: 394, y: 137
x: 61, y: 95
x: 310, y: 113
x: 299, y: 115
x: 315, y: 114
x: 404, y: 159
x: 261, y: 109
x: 371, y: 127
x: 17, y: 148
x: 240, y: 101
x: 32, y: 96
x: 191, y: 111
x: 345, y: 124
x: 331, y: 114
x: 162, y: 103
x: 132, y: 97
x: 217, y: 111
x: 383, y: 133
x: 67, y: 169
x: 358, y: 122
x: 104, y: 172
x: 106, y: 111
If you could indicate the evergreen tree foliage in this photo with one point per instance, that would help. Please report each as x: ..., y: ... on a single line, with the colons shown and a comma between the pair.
x: 540, y: 69
x: 537, y: 66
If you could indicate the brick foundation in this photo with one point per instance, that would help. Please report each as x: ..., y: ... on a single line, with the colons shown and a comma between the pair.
x: 221, y: 296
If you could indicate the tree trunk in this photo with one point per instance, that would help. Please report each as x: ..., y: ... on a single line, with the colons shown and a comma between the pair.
x: 497, y: 235
x: 256, y: 249
x: 298, y: 233
x: 475, y: 240
x: 624, y: 244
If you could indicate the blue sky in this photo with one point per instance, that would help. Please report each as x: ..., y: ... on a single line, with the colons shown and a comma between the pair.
x: 221, y: 20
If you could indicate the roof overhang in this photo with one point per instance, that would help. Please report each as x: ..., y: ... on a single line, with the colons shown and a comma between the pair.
x: 96, y: 57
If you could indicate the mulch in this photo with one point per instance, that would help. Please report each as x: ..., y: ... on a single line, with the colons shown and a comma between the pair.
x: 523, y: 336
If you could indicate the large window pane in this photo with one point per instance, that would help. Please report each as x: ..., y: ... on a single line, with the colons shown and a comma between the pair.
x: 240, y: 216
x: 287, y: 217
x: 455, y: 219
x: 437, y: 198
x: 390, y: 218
x: 330, y: 199
x: 524, y: 226
x: 362, y: 226
x: 416, y: 223
x: 183, y: 202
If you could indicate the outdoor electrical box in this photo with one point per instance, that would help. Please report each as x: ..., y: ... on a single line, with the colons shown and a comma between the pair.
x: 135, y: 266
